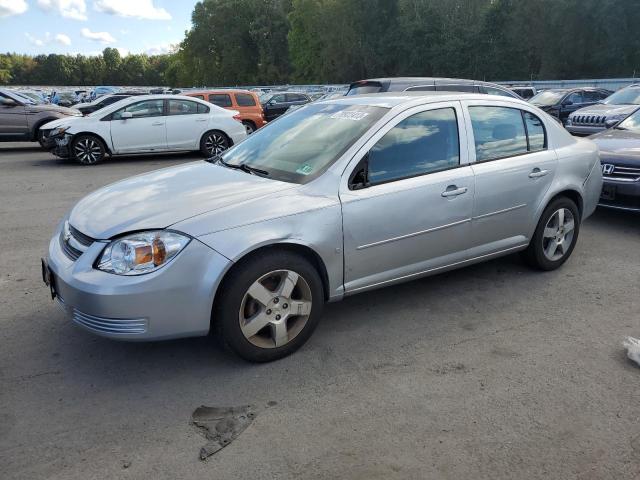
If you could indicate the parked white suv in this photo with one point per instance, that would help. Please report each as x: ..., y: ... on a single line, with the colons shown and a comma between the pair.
x: 149, y: 124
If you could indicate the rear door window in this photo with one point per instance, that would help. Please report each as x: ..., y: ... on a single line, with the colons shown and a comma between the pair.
x: 245, y: 100
x: 182, y: 107
x: 220, y: 99
x: 498, y: 132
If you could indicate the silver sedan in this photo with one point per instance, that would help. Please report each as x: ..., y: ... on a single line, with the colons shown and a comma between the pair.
x: 336, y: 198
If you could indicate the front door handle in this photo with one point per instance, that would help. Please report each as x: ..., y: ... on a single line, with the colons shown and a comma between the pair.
x: 201, y: 119
x: 454, y: 191
x: 157, y: 124
x: 537, y: 173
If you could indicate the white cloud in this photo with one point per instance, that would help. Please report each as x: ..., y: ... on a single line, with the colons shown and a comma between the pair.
x: 102, y: 37
x: 63, y: 39
x: 12, y: 7
x: 38, y: 42
x: 142, y: 9
x: 74, y: 9
x: 160, y: 49
x: 122, y: 51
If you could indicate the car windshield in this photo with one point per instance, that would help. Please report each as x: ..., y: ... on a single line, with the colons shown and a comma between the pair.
x: 362, y: 88
x: 626, y: 96
x: 300, y: 146
x: 632, y: 122
x: 548, y: 97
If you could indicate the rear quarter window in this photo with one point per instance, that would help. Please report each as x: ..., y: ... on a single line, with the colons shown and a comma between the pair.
x: 245, y: 100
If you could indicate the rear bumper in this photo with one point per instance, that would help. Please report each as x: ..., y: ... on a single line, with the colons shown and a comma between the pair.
x: 620, y: 195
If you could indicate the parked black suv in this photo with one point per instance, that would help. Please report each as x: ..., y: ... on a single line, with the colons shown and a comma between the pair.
x: 101, y: 102
x: 276, y: 103
x: 427, y: 84
x: 560, y: 102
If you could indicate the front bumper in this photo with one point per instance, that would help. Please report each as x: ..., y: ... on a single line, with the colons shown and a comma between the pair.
x: 620, y: 195
x: 174, y: 301
x: 583, y: 130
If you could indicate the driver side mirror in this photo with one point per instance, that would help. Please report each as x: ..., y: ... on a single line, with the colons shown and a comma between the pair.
x: 8, y: 102
x: 126, y: 115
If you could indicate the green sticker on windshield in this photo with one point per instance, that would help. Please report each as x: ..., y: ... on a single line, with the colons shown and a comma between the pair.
x: 304, y: 169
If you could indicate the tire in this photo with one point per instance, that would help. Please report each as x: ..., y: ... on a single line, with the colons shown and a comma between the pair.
x: 214, y: 143
x: 249, y: 127
x: 267, y: 329
x: 555, y: 236
x: 40, y: 137
x: 87, y: 150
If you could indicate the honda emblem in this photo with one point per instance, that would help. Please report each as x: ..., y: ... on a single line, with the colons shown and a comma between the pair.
x: 607, y: 169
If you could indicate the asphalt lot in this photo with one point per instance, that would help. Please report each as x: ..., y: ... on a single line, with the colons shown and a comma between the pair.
x: 492, y: 371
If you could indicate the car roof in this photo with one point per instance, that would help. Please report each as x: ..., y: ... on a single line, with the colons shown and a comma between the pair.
x: 392, y: 99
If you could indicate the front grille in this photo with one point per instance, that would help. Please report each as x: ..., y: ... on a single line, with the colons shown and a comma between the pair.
x: 110, y: 325
x: 594, y: 120
x: 73, y: 242
x: 624, y: 174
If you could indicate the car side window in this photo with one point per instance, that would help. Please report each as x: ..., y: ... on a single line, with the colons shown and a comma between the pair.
x: 498, y: 131
x: 536, y: 134
x: 220, y: 99
x: 575, y: 98
x: 497, y: 91
x: 422, y: 143
x: 295, y: 97
x: 201, y: 97
x: 203, y: 108
x: 245, y: 100
x: 182, y: 107
x: 148, y: 108
x: 592, y: 96
x: 277, y: 99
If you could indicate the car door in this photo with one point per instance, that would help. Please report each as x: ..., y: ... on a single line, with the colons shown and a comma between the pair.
x: 407, y: 198
x: 513, y: 169
x: 145, y: 131
x: 275, y: 107
x: 574, y: 101
x: 186, y: 122
x: 13, y: 118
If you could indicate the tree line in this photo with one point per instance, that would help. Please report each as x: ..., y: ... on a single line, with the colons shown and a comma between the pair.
x: 261, y: 42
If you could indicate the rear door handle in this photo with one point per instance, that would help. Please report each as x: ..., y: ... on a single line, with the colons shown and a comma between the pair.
x: 157, y: 124
x: 454, y: 191
x: 201, y: 119
x: 537, y: 173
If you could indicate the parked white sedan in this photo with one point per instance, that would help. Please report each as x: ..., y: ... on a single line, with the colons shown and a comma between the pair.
x: 149, y: 124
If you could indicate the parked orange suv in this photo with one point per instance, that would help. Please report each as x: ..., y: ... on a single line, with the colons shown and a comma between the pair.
x: 244, y: 101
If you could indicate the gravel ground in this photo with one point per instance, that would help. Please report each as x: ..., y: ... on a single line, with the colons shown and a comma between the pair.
x: 492, y: 371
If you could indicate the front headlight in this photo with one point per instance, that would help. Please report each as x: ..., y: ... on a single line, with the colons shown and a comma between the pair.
x: 142, y: 252
x: 58, y: 131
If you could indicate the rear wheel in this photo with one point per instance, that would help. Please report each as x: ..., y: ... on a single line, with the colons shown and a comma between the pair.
x: 555, y: 236
x: 214, y: 143
x: 269, y: 306
x: 88, y: 150
x: 249, y: 127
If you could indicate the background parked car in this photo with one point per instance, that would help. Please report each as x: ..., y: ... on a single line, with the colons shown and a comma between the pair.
x: 605, y: 114
x: 153, y: 123
x: 427, y: 84
x: 246, y: 103
x: 101, y: 102
x: 620, y: 158
x: 21, y: 118
x: 275, y: 104
x: 524, y: 92
x: 560, y: 102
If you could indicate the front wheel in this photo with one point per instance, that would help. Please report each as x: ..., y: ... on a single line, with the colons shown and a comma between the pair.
x: 214, y: 143
x: 269, y: 306
x: 555, y: 236
x: 88, y: 150
x: 249, y: 127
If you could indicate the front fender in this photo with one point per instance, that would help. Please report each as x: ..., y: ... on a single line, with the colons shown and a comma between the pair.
x: 318, y: 230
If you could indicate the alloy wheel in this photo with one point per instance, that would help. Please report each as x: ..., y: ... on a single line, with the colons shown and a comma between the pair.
x: 558, y: 234
x: 87, y: 151
x: 215, y: 143
x: 275, y: 309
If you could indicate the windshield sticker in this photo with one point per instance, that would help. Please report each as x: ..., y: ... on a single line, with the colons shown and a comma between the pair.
x: 304, y: 169
x: 349, y: 115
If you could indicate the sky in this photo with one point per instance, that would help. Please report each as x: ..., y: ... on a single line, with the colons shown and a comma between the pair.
x: 89, y: 26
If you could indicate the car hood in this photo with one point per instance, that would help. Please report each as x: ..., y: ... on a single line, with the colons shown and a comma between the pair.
x: 603, y: 109
x: 64, y: 122
x: 53, y: 109
x: 618, y: 143
x: 162, y: 198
